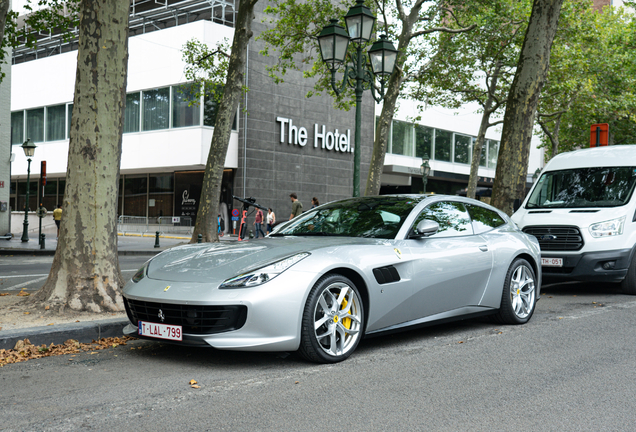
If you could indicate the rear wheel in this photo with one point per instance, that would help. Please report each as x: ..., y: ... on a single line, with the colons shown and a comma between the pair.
x: 332, y: 320
x: 628, y: 285
x: 519, y: 294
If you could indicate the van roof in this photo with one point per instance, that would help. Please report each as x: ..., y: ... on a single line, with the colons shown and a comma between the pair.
x: 607, y: 156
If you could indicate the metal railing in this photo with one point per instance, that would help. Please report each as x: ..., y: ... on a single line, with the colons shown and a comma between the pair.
x: 163, y: 224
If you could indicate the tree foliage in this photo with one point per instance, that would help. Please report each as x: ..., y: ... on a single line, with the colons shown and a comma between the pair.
x: 591, y: 78
x: 476, y: 67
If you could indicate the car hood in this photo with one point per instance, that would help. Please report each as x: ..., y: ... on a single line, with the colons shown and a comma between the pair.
x: 214, y: 262
x: 582, y: 218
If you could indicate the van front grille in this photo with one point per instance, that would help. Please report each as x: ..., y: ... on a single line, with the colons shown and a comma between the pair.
x: 557, y: 238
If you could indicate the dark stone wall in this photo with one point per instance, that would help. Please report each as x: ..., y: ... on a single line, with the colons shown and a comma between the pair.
x: 275, y: 169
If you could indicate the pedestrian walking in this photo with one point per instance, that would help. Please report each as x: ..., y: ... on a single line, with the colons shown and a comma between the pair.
x: 314, y: 202
x: 57, y: 217
x: 258, y: 222
x: 271, y: 220
x: 297, y: 206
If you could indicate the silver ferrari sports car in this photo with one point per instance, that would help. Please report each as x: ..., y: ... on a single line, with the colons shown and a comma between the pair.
x: 337, y: 273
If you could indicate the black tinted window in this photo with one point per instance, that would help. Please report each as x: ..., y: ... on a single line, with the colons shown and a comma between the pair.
x: 452, y: 218
x: 484, y: 219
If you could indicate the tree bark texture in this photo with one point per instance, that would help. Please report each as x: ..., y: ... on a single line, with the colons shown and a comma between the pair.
x: 514, y: 151
x: 478, y: 148
x: 4, y: 8
x: 206, y: 223
x: 85, y: 273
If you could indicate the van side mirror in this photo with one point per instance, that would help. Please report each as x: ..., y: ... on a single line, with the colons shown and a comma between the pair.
x: 425, y: 228
x: 516, y: 204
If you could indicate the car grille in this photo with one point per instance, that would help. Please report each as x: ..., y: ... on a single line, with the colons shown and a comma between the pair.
x: 556, y: 238
x: 192, y: 318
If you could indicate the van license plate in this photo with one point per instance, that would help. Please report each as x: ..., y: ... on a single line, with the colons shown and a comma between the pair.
x: 552, y: 262
x: 160, y: 331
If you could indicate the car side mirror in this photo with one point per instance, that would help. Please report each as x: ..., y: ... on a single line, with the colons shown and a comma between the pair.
x: 425, y: 228
x: 516, y: 204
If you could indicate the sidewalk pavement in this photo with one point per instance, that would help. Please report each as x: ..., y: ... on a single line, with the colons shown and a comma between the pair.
x: 88, y: 330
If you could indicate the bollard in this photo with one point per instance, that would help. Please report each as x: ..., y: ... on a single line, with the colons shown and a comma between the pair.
x: 199, y: 238
x: 42, y: 240
x: 157, y: 239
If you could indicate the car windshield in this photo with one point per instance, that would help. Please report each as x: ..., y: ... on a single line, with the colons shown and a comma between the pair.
x: 584, y: 187
x: 374, y: 217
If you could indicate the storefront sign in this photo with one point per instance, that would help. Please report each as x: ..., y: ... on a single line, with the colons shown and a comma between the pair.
x: 327, y: 140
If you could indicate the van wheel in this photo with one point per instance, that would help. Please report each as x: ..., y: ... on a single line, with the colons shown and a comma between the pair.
x: 628, y: 285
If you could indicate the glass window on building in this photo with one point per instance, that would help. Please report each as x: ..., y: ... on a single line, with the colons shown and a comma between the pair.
x: 483, y: 161
x: 462, y: 148
x: 56, y: 123
x: 33, y: 195
x: 161, y: 195
x: 35, y: 125
x: 132, y: 113
x: 493, y: 152
x: 156, y: 109
x: 185, y: 106
x: 443, y: 141
x: 402, y: 138
x: 135, y: 195
x: 49, y: 199
x: 210, y: 108
x: 68, y: 119
x: 423, y: 141
x: 17, y: 127
x: 120, y: 197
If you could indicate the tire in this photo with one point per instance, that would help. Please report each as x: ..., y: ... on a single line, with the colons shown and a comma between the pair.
x: 628, y: 285
x: 332, y: 320
x: 518, y: 299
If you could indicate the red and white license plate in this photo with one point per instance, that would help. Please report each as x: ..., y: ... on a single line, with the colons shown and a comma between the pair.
x: 552, y: 262
x: 160, y: 331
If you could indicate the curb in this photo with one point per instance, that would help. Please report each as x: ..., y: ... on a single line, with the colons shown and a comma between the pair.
x: 50, y: 252
x: 84, y: 332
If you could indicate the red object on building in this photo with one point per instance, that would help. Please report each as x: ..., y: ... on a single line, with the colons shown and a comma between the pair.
x: 599, y: 135
x: 43, y: 173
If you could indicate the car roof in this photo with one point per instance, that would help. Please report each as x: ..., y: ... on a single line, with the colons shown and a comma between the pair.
x: 606, y: 156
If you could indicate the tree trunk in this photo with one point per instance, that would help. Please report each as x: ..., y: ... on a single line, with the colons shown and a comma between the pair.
x: 85, y: 273
x: 477, y: 149
x: 206, y: 223
x: 512, y: 163
x: 4, y: 8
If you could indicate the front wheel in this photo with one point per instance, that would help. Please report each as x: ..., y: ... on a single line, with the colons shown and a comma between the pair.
x: 519, y: 294
x: 332, y: 320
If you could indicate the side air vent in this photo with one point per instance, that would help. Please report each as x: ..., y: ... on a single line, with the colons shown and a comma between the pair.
x: 583, y: 211
x: 540, y: 211
x: 385, y: 275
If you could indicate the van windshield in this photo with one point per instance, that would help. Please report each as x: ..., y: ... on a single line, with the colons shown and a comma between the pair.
x: 584, y: 187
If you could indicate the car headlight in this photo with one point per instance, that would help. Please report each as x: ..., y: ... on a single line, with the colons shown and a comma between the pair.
x: 263, y: 274
x: 141, y: 273
x: 608, y: 228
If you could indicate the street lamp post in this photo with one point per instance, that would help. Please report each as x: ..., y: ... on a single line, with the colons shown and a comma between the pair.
x: 29, y: 151
x: 360, y: 71
x: 425, y: 169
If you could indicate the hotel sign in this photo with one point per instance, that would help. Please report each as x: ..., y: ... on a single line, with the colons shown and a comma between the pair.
x: 326, y: 140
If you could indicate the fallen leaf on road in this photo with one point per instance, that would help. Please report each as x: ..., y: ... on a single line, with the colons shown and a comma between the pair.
x: 47, y: 307
x: 195, y: 386
x: 460, y: 342
x: 27, y: 313
x: 4, y: 294
x: 192, y: 382
x: 51, y: 324
x: 23, y: 294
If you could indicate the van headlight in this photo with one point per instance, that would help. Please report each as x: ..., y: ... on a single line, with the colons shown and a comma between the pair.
x: 608, y: 228
x: 263, y: 274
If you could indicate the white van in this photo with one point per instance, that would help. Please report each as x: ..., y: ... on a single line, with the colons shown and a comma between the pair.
x: 582, y: 209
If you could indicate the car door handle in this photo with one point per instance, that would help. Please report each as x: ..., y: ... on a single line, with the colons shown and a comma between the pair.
x: 483, y: 248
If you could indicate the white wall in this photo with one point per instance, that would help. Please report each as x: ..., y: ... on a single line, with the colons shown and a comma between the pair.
x: 154, y: 61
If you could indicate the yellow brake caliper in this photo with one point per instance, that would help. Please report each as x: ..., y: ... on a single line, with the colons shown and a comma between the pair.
x: 346, y: 322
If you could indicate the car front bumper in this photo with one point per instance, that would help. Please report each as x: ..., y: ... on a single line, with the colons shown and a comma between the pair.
x: 588, y: 266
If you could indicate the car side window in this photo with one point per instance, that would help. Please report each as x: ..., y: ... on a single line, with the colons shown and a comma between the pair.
x: 452, y: 217
x: 484, y: 219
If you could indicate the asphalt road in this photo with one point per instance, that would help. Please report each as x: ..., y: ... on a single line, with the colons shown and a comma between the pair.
x: 571, y: 368
x: 30, y: 272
